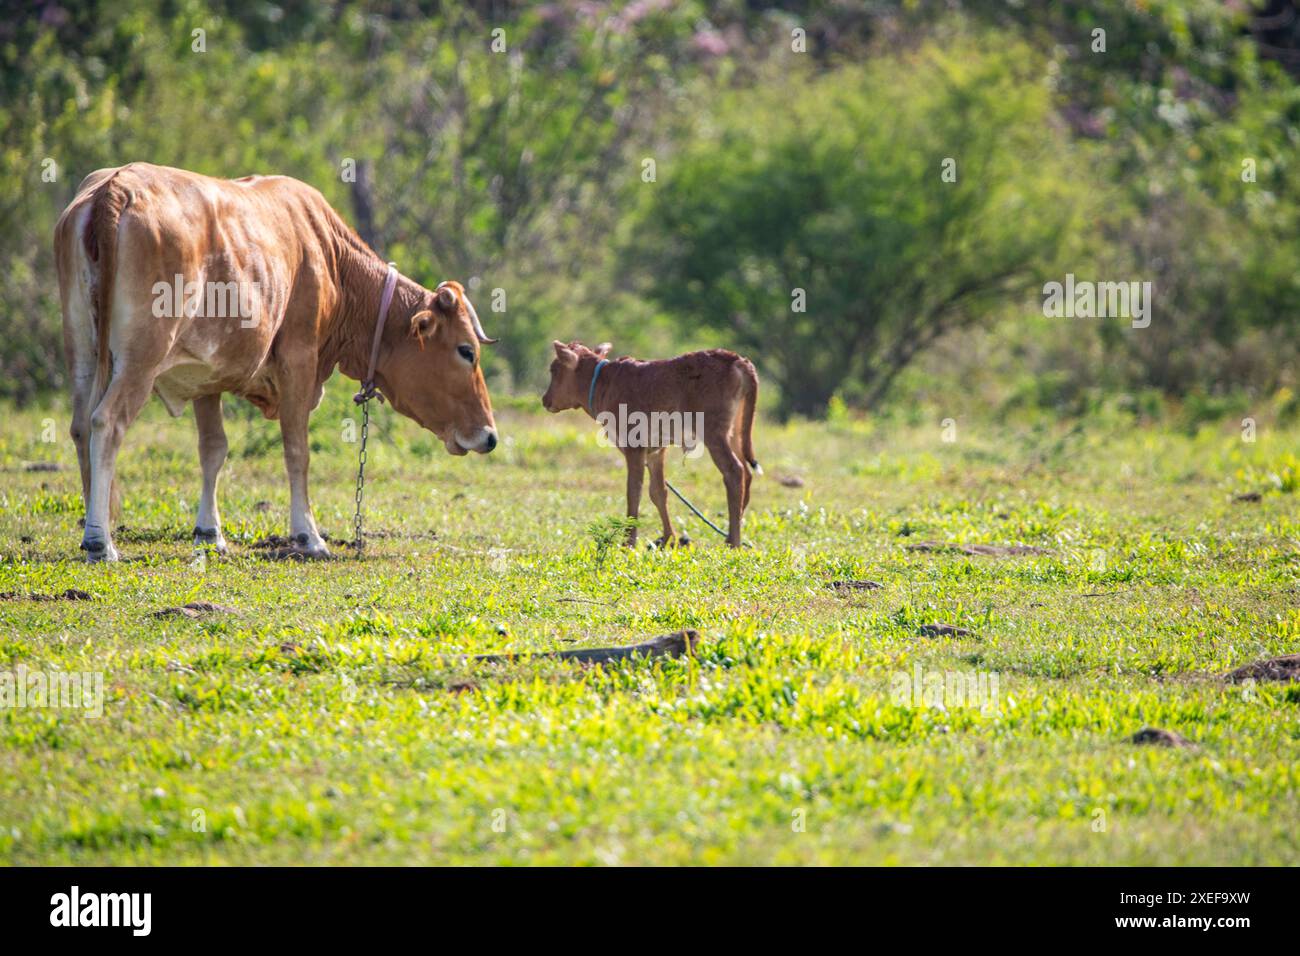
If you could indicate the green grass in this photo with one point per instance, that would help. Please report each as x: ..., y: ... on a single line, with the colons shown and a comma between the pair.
x: 328, y: 720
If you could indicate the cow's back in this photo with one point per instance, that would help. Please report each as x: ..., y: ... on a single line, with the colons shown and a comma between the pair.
x: 206, y: 273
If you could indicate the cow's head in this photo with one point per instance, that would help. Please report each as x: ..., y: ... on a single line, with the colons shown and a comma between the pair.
x: 571, y: 374
x: 432, y: 374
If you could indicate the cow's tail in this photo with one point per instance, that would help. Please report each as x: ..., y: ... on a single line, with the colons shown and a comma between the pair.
x: 100, y: 240
x: 750, y: 400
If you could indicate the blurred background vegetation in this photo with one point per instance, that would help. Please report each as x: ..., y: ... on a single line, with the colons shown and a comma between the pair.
x: 764, y: 176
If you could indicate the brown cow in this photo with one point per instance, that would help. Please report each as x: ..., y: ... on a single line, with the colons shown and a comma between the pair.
x: 646, y: 407
x: 187, y: 287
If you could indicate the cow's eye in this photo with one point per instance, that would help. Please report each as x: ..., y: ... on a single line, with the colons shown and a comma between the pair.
x: 466, y: 353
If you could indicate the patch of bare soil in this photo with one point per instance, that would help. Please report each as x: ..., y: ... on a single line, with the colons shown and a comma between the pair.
x: 1274, y: 669
x: 989, y: 550
x: 844, y: 587
x: 279, y: 548
x: 790, y: 481
x: 943, y: 630
x: 1159, y: 737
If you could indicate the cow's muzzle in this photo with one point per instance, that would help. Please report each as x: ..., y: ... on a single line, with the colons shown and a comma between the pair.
x: 483, y: 441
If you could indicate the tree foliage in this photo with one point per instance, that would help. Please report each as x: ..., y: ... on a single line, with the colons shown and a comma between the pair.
x: 896, y: 202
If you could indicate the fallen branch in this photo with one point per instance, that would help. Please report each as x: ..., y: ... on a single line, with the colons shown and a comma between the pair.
x: 994, y: 550
x: 667, y: 645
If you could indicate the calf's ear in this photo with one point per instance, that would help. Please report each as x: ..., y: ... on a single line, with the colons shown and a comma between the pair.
x: 565, y: 354
x: 603, y: 349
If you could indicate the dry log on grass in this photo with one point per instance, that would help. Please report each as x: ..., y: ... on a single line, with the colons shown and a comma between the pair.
x: 992, y: 550
x: 666, y: 645
x: 194, y: 609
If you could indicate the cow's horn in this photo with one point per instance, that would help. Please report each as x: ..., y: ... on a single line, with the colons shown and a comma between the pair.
x: 478, y: 326
x: 473, y: 317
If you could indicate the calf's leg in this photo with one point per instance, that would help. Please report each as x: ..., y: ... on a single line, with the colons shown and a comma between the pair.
x: 659, y: 495
x: 635, y: 475
x: 212, y: 455
x: 732, y: 471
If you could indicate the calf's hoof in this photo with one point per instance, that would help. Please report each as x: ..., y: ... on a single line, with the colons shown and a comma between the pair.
x: 210, y: 538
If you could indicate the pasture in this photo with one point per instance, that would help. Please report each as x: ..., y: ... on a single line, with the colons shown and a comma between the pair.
x: 326, y: 717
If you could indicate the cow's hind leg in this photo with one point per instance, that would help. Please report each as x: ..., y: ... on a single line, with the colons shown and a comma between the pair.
x: 732, y: 476
x: 122, y: 401
x: 212, y: 455
x: 80, y: 432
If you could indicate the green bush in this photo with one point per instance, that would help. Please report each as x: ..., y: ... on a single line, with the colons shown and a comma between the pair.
x: 844, y: 200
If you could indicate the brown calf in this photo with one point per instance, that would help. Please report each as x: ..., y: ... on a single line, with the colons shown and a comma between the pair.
x: 646, y: 407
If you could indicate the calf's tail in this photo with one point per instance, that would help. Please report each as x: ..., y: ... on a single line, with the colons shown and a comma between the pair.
x: 749, y: 400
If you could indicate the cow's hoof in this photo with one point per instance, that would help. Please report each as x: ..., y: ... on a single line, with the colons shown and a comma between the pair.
x: 210, y: 538
x: 664, y: 541
x: 305, y: 547
x: 98, y: 549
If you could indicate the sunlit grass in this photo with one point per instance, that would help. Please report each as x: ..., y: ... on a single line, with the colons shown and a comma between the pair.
x: 332, y: 717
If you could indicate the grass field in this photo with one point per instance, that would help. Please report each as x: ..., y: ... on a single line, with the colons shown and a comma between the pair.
x: 326, y: 719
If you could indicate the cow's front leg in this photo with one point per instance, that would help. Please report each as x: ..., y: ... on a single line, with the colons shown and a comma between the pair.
x: 635, y: 477
x: 295, y: 408
x: 212, y: 455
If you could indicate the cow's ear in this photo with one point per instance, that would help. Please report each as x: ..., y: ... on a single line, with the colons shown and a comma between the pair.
x: 421, y: 323
x: 446, y: 299
x: 603, y: 349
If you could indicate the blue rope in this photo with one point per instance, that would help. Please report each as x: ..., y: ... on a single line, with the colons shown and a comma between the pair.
x: 695, y: 509
x: 591, y: 392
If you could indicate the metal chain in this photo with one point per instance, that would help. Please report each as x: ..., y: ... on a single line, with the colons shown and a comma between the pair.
x: 358, y: 540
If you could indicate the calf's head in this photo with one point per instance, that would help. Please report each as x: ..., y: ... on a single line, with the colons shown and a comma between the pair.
x: 571, y: 374
x: 432, y: 373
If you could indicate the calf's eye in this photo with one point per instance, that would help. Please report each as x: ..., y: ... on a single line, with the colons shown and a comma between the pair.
x: 466, y: 353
